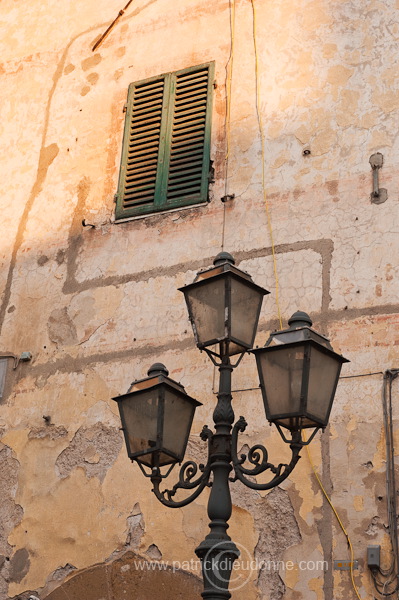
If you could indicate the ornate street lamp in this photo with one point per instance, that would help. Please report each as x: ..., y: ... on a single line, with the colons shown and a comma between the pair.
x: 298, y: 373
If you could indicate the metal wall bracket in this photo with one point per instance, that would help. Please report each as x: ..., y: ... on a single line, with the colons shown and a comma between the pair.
x: 86, y: 224
x: 378, y: 195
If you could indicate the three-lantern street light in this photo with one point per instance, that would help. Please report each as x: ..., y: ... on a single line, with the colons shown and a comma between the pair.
x: 298, y: 372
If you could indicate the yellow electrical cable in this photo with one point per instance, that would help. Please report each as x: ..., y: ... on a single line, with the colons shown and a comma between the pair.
x: 269, y: 221
x: 337, y: 516
x: 277, y: 288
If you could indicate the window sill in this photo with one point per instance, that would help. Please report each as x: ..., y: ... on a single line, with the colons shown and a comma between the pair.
x: 161, y: 212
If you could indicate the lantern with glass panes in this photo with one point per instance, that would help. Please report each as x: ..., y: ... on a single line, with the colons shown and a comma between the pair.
x: 298, y: 372
x: 156, y: 415
x: 224, y: 305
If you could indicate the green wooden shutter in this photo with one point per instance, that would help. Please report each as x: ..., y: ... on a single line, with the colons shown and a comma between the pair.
x: 188, y: 167
x: 141, y: 145
x: 166, y: 144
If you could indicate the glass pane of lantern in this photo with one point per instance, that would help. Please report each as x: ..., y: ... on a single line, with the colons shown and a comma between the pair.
x: 177, y: 422
x: 139, y: 416
x: 324, y: 371
x: 163, y: 459
x: 206, y: 307
x: 245, y: 306
x: 282, y: 375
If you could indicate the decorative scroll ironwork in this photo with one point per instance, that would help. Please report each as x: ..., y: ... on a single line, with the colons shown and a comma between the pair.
x: 258, y: 456
x: 187, y: 478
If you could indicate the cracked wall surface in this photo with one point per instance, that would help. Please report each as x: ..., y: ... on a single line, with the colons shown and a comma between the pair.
x: 97, y: 306
x: 12, y: 568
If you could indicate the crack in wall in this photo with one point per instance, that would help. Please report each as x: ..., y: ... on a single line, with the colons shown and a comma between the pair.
x: 47, y: 155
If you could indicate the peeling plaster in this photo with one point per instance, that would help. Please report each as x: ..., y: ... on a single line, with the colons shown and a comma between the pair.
x: 12, y: 565
x: 48, y: 431
x: 61, y: 329
x: 94, y: 449
x: 277, y: 528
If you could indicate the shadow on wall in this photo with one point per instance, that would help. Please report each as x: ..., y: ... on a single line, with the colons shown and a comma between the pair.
x: 129, y: 576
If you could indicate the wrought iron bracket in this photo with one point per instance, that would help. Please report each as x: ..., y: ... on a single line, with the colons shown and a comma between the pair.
x: 301, y: 442
x: 258, y: 456
x: 187, y: 478
x: 218, y: 363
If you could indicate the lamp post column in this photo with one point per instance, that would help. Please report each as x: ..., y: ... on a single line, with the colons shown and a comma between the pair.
x: 217, y: 552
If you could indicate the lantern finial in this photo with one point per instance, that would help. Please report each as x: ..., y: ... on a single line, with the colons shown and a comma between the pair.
x: 223, y: 257
x: 157, y: 369
x: 300, y: 319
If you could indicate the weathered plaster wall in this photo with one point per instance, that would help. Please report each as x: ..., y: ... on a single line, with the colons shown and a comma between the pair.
x: 96, y: 307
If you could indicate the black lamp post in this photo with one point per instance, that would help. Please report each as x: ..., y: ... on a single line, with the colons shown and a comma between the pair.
x: 298, y: 373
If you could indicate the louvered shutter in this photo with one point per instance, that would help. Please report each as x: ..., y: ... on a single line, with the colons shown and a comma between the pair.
x: 141, y: 145
x: 187, y: 173
x: 165, y: 156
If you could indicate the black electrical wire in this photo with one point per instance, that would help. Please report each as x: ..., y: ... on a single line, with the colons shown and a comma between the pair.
x: 391, y: 487
x: 378, y: 584
x: 376, y: 571
x: 391, y: 574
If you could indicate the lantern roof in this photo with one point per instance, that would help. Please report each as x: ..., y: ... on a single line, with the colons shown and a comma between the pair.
x: 299, y: 330
x: 223, y: 263
x: 157, y: 374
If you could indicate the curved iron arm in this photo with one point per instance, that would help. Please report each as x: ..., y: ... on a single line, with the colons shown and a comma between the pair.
x: 258, y: 456
x: 186, y: 478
